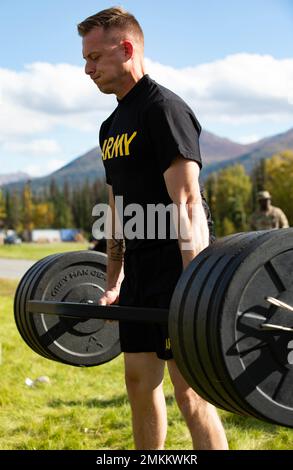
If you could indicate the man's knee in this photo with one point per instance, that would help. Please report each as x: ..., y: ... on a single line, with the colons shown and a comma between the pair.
x: 143, y: 373
x: 188, y: 400
x: 134, y: 378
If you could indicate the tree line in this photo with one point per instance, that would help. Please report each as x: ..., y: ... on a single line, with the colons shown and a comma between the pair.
x: 231, y: 194
x: 55, y: 207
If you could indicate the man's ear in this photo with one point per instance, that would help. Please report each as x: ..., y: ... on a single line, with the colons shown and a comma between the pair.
x: 128, y: 49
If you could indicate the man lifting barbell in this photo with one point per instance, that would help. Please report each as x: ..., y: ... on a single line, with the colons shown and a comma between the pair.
x: 230, y: 317
x: 150, y: 148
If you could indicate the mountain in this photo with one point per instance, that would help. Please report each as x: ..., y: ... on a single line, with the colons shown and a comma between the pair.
x: 217, y: 153
x: 215, y: 149
x: 13, y: 177
x: 87, y: 167
x: 264, y: 148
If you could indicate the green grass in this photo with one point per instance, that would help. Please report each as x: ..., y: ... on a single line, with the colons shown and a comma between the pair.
x: 35, y: 251
x: 88, y: 408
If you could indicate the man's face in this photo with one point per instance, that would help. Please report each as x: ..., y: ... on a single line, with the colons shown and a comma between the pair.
x: 264, y: 204
x: 104, y: 59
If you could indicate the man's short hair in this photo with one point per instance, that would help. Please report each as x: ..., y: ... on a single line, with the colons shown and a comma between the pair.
x: 115, y: 17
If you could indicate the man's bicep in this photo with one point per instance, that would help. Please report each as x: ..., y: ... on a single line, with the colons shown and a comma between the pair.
x: 182, y: 180
x: 284, y: 220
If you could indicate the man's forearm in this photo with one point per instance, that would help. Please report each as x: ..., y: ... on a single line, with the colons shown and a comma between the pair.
x: 115, y: 272
x: 193, y: 234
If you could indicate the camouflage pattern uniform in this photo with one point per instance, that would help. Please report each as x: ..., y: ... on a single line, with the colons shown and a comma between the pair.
x: 272, y: 218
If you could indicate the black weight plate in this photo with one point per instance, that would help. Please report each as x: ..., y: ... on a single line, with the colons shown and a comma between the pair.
x: 197, y: 363
x: 203, y: 288
x: 75, y: 277
x: 195, y: 297
x: 175, y: 323
x: 207, y: 314
x: 177, y: 327
x: 210, y: 323
x: 259, y: 362
x: 17, y: 311
x: 36, y: 283
x: 30, y: 285
x: 20, y: 301
x: 31, y: 278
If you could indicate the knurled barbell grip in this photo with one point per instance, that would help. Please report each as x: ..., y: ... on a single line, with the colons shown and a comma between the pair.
x: 85, y: 311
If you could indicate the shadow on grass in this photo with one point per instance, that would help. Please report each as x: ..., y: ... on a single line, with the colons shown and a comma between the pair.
x: 91, y: 403
x: 98, y: 403
x: 248, y: 423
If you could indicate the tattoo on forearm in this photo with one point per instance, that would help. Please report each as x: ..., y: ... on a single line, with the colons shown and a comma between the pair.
x: 116, y: 249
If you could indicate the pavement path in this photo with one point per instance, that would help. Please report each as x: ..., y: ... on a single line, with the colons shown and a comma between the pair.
x: 14, y: 268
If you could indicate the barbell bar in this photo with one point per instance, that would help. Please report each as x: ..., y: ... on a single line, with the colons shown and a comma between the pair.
x: 88, y: 310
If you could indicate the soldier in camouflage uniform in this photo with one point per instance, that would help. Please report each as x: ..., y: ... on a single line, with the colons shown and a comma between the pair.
x: 267, y: 216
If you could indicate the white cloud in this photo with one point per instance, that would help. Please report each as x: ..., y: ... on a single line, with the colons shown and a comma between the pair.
x: 17, y: 121
x: 44, y: 169
x: 45, y: 96
x: 39, y: 147
x: 55, y: 164
x: 248, y: 139
x: 239, y: 89
x: 34, y: 170
x: 53, y: 89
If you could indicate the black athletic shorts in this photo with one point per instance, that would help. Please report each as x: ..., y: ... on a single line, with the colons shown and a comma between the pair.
x: 150, y: 278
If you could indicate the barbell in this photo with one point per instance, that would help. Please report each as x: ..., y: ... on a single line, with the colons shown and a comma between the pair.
x: 230, y: 319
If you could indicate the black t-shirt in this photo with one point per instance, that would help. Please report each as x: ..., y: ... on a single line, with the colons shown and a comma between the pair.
x: 149, y: 128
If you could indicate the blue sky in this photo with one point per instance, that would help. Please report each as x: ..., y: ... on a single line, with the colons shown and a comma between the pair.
x: 232, y: 61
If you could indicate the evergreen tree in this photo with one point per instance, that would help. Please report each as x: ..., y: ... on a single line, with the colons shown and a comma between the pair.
x: 15, y: 214
x: 77, y: 208
x: 62, y: 211
x: 87, y: 207
x: 2, y: 209
x: 27, y: 211
x: 53, y: 189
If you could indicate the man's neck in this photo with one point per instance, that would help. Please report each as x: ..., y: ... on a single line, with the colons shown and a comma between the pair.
x: 133, y: 78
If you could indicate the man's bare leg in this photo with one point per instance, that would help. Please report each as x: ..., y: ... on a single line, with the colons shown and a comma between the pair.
x: 144, y: 374
x: 201, y: 417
